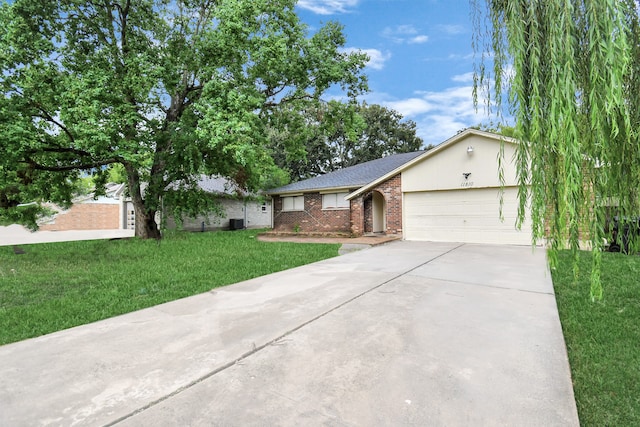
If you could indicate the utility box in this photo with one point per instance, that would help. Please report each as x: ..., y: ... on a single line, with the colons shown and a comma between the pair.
x: 236, y: 224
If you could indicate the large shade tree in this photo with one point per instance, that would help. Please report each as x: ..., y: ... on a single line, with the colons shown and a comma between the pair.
x: 386, y: 132
x: 336, y: 135
x: 168, y: 89
x: 570, y: 72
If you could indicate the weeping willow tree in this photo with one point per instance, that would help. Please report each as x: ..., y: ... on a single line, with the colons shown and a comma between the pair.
x: 568, y: 72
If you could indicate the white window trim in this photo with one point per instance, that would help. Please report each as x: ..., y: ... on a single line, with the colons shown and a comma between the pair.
x: 295, y: 207
x: 339, y: 202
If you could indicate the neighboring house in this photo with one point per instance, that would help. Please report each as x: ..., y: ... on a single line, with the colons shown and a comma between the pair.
x: 115, y: 210
x: 239, y: 208
x: 449, y: 193
x: 102, y: 213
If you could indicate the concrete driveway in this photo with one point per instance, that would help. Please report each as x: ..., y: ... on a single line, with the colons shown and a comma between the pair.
x: 408, y: 333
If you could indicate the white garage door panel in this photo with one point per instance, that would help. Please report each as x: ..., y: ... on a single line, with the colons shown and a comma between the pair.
x: 470, y: 215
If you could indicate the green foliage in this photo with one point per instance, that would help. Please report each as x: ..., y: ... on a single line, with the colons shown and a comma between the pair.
x: 385, y: 133
x: 85, y: 185
x: 602, y: 338
x: 498, y: 128
x: 158, y: 91
x: 570, y: 72
x: 117, y: 174
x: 56, y: 286
x: 330, y: 136
x: 25, y: 215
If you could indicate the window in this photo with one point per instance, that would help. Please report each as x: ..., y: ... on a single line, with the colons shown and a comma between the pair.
x: 335, y: 201
x: 293, y: 203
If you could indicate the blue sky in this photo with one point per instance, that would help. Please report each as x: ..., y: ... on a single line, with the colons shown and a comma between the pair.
x: 421, y: 57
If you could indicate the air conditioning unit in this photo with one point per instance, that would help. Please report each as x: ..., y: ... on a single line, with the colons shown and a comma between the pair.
x: 236, y: 224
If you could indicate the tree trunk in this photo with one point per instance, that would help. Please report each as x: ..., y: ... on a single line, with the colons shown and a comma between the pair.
x: 146, y: 226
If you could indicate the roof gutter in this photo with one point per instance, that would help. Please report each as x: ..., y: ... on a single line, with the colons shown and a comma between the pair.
x: 326, y: 190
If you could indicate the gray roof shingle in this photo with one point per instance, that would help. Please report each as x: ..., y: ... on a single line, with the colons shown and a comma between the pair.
x: 220, y: 185
x: 351, y: 177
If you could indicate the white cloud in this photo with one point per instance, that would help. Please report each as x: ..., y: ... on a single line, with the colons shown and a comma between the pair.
x: 456, y: 101
x: 410, y: 107
x: 403, y: 29
x: 404, y: 34
x: 440, y: 115
x: 451, y: 30
x: 458, y: 57
x: 328, y: 7
x: 452, y: 57
x: 508, y: 73
x: 419, y: 39
x: 437, y: 128
x: 377, y: 58
x: 463, y: 78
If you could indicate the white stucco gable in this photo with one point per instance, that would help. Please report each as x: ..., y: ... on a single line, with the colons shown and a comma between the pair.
x: 442, y: 167
x: 468, y: 160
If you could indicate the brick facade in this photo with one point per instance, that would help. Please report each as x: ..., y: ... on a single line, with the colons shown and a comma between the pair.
x: 392, y: 192
x: 362, y: 221
x: 313, y: 219
x: 358, y: 213
x: 86, y: 216
x: 357, y: 220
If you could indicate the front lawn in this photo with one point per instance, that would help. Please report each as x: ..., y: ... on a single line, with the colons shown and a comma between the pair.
x: 603, y: 338
x: 55, y: 286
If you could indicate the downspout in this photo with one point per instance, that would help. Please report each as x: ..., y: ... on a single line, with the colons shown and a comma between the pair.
x: 244, y: 209
x: 271, y: 208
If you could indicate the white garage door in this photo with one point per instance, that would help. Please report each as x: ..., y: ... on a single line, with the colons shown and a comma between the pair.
x: 470, y: 216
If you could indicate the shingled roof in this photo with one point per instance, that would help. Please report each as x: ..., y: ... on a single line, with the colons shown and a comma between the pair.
x: 352, y: 177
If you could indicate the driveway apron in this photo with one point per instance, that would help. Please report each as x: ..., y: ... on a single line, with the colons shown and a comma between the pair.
x: 408, y: 333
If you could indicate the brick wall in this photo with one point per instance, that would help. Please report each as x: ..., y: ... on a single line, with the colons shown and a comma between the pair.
x: 357, y: 220
x: 313, y: 219
x: 86, y: 216
x: 391, y: 190
x: 368, y: 212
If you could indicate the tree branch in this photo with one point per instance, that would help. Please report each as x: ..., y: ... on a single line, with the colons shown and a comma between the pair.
x: 82, y: 166
x: 270, y: 104
x: 48, y: 117
x: 63, y: 150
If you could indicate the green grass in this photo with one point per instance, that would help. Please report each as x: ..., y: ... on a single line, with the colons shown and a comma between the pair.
x: 56, y: 286
x: 603, y: 338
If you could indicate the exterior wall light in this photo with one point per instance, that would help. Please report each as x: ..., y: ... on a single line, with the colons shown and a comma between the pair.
x: 470, y: 150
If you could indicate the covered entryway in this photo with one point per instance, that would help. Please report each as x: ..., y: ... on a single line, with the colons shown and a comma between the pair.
x: 378, y: 212
x: 464, y: 215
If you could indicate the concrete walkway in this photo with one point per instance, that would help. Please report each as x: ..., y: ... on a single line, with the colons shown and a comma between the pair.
x: 407, y: 333
x: 347, y: 244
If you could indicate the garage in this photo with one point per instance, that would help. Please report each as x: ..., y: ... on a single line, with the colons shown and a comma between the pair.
x: 464, y: 215
x: 452, y: 193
